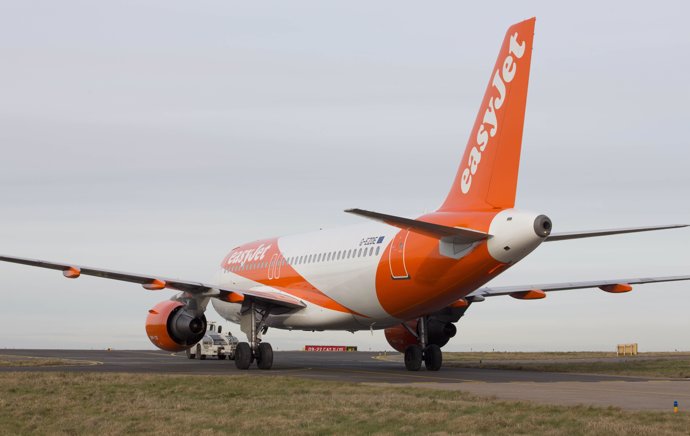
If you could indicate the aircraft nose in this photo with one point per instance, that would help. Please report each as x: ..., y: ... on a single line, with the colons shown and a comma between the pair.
x: 542, y: 226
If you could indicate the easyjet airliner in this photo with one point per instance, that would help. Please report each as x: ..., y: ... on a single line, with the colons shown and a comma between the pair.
x: 414, y: 278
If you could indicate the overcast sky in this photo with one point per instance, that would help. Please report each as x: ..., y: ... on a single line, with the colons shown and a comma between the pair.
x: 155, y: 136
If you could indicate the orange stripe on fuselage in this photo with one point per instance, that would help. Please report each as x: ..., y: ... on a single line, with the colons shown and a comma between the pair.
x: 258, y: 262
x: 436, y: 281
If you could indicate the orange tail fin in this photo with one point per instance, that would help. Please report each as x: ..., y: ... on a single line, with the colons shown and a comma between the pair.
x: 487, y: 177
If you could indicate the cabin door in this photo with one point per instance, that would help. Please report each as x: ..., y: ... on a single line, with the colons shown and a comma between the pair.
x: 396, y: 256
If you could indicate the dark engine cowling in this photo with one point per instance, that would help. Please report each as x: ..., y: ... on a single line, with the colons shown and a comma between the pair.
x: 438, y: 333
x: 171, y: 327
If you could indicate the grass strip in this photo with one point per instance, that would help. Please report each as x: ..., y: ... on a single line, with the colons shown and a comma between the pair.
x: 86, y: 403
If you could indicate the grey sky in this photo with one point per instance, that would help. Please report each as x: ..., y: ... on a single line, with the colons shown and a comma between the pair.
x: 155, y: 136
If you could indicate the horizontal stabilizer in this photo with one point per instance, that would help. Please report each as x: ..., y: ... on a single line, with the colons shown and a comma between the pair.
x: 424, y: 228
x: 594, y: 233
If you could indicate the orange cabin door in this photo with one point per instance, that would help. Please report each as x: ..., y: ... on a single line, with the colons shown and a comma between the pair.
x: 396, y: 256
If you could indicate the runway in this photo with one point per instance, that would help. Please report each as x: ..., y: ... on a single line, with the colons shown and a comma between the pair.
x: 633, y: 393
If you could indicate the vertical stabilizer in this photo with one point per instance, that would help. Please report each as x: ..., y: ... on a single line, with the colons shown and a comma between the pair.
x: 487, y: 177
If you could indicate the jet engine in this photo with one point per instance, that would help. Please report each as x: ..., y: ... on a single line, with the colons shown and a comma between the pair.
x: 171, y: 326
x: 438, y: 333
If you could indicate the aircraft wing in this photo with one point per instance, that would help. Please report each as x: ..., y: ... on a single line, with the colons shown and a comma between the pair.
x: 155, y: 283
x: 529, y: 292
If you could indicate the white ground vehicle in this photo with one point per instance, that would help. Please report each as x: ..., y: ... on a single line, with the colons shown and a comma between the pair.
x: 214, y: 344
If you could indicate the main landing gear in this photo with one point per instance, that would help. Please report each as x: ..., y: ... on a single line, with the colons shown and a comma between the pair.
x: 415, y: 354
x: 247, y: 352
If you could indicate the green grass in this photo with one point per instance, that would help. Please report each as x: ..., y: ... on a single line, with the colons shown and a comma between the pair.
x: 86, y: 403
x: 674, y: 365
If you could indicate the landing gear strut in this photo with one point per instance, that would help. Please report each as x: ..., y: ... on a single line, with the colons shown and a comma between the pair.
x: 415, y: 354
x: 252, y: 323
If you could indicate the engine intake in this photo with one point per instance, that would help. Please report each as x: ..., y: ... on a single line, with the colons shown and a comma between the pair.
x: 171, y: 327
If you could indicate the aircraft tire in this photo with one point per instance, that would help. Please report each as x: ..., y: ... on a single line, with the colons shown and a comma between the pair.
x: 413, y: 358
x: 243, y: 356
x: 433, y: 357
x: 264, y: 358
x: 189, y: 354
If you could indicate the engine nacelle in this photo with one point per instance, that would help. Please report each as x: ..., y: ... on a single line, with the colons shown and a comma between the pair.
x: 438, y: 333
x: 400, y: 338
x: 171, y: 327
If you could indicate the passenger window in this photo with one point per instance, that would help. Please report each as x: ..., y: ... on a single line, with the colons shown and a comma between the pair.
x: 328, y: 258
x: 339, y: 253
x: 359, y: 253
x: 378, y: 249
x: 371, y: 251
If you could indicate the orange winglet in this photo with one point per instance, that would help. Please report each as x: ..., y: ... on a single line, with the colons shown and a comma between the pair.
x: 534, y: 294
x: 155, y: 285
x: 72, y: 272
x: 234, y: 297
x: 618, y: 288
x: 459, y: 304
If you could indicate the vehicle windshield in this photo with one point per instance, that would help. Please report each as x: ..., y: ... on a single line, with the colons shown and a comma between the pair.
x: 218, y: 339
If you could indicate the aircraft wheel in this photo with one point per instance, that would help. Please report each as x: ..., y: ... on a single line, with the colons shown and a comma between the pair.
x: 243, y: 356
x: 413, y: 358
x: 264, y: 358
x: 221, y: 356
x: 433, y: 358
x: 188, y: 353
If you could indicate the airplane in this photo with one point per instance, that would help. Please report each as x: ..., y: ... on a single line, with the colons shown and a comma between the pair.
x: 414, y: 278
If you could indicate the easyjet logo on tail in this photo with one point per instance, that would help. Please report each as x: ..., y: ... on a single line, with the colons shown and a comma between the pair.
x: 489, y: 126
